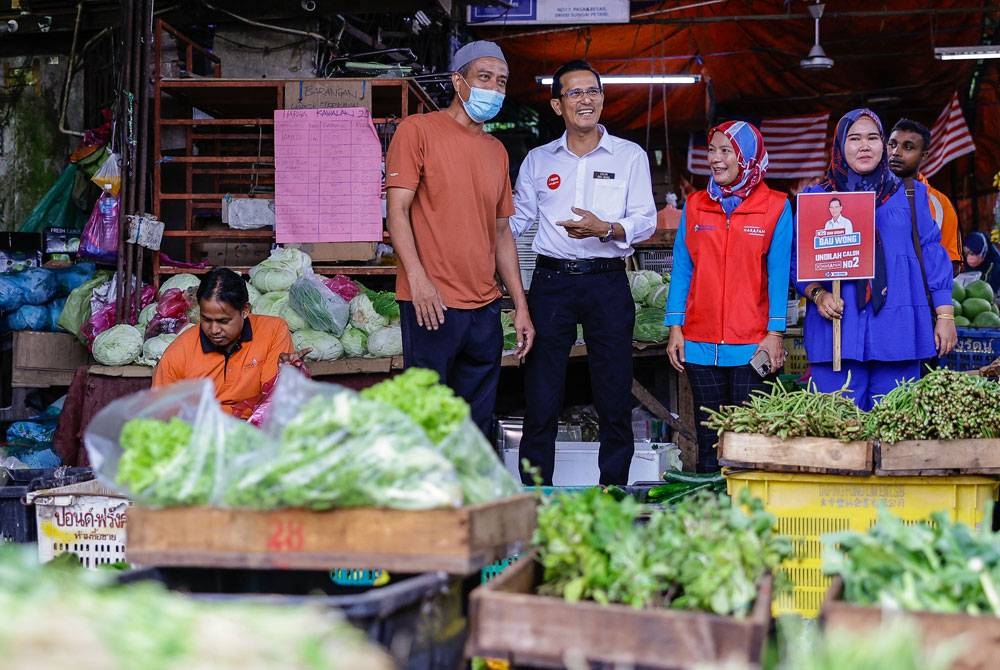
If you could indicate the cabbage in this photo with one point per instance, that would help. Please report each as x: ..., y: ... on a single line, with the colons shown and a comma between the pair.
x: 322, y: 308
x: 355, y: 342
x: 145, y: 316
x: 364, y: 317
x: 385, y: 304
x: 153, y: 348
x: 292, y: 318
x: 268, y: 276
x: 386, y: 342
x: 638, y: 283
x: 39, y: 285
x: 325, y: 347
x: 649, y: 325
x: 29, y: 317
x: 252, y: 294
x: 182, y: 281
x: 295, y: 259
x: 270, y: 304
x: 118, y: 345
x: 658, y: 296
x: 654, y: 278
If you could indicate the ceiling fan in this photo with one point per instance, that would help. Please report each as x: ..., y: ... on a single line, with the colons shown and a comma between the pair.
x: 817, y: 58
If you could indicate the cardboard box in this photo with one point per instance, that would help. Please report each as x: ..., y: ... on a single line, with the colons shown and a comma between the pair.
x: 327, y: 252
x: 45, y: 359
x: 232, y: 253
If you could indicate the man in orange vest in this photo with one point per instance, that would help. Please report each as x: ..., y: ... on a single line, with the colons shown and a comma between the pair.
x: 908, y: 146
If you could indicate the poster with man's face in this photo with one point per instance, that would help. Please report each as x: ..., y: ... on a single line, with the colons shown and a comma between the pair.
x: 835, y: 235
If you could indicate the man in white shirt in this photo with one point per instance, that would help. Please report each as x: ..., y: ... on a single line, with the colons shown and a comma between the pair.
x: 592, y: 197
x: 837, y: 221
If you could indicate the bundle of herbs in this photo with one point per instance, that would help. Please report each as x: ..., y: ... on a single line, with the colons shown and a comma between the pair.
x: 944, y: 405
x: 792, y: 413
x: 934, y: 566
x: 705, y: 553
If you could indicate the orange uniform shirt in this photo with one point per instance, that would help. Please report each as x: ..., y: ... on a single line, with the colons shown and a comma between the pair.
x: 943, y: 213
x: 461, y: 187
x: 239, y: 377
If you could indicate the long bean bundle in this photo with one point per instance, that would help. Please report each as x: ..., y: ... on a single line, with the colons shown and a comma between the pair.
x: 798, y: 413
x: 944, y: 405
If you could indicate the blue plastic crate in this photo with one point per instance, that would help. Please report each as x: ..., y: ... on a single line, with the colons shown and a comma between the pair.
x: 976, y: 347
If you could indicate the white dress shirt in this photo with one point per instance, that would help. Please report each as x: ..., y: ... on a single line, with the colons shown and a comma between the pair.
x: 612, y: 181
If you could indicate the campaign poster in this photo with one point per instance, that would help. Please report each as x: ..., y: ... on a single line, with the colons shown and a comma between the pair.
x: 835, y: 235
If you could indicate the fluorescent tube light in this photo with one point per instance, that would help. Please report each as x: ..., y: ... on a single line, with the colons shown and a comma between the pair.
x: 968, y: 53
x: 637, y: 79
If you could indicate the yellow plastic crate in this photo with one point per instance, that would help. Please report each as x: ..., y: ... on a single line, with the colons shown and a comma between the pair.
x: 808, y: 506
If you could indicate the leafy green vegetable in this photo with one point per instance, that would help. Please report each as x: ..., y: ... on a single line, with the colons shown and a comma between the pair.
x: 148, y: 446
x: 592, y: 547
x: 936, y: 566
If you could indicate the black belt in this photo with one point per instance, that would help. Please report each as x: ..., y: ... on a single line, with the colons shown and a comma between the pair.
x: 581, y: 266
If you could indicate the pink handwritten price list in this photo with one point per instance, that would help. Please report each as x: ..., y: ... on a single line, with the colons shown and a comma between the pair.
x: 328, y: 176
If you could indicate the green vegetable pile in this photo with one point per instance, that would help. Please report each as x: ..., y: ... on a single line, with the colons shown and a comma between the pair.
x: 792, y: 413
x: 444, y: 417
x: 148, y: 448
x: 943, y: 405
x: 57, y: 616
x: 936, y: 566
x: 649, y: 292
x: 705, y: 553
x: 898, y: 645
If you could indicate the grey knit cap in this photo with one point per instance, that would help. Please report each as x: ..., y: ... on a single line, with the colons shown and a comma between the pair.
x: 474, y: 50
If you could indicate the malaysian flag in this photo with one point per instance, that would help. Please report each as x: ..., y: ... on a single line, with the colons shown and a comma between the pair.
x: 796, y: 147
x: 950, y: 138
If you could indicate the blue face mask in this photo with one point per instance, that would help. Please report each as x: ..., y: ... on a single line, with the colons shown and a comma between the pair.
x: 482, y: 104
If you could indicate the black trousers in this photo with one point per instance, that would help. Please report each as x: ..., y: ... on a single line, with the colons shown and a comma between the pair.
x: 713, y: 387
x: 602, y: 303
x: 465, y: 351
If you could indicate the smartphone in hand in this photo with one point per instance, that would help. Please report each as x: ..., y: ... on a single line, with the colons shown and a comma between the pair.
x: 761, y: 363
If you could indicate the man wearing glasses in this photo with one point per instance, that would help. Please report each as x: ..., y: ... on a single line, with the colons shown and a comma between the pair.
x: 592, y: 196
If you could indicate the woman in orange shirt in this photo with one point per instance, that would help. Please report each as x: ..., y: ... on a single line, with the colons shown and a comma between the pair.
x: 239, y: 351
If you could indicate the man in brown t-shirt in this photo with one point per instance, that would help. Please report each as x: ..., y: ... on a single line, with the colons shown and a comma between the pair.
x: 449, y: 198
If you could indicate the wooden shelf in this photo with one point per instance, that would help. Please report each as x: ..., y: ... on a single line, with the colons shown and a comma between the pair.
x: 252, y: 234
x: 370, y: 270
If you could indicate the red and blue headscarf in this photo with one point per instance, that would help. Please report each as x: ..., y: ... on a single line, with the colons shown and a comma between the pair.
x: 751, y: 160
x: 840, y: 176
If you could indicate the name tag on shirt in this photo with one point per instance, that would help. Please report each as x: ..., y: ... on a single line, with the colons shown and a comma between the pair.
x: 604, y: 175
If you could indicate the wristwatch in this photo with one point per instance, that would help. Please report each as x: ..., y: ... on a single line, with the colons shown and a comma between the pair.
x: 608, y: 236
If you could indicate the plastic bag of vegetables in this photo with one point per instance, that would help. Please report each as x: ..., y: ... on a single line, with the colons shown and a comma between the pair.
x: 329, y: 447
x: 29, y: 317
x: 168, y: 446
x: 319, y: 306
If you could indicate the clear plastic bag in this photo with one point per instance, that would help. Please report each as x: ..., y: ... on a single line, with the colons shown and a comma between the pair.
x: 329, y: 447
x: 318, y: 305
x: 192, y: 474
x: 109, y: 176
x: 483, y: 476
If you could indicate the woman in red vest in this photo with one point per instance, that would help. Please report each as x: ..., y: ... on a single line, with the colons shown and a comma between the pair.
x: 729, y: 285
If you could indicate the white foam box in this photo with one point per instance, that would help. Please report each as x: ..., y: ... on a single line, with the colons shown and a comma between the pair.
x: 576, y: 463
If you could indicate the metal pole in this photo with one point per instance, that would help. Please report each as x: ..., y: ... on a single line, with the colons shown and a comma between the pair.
x: 128, y: 34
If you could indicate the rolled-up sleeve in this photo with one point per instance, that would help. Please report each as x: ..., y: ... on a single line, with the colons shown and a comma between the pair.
x: 639, y: 222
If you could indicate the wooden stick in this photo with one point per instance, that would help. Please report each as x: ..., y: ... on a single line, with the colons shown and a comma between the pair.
x: 836, y: 329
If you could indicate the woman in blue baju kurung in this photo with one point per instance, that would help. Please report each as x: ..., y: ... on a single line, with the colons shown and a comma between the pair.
x: 887, y: 326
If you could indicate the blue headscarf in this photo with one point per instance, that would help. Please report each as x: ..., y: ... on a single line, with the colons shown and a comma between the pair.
x: 751, y: 161
x: 840, y: 176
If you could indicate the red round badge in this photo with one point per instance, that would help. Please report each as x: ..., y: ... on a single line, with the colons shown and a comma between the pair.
x: 553, y: 181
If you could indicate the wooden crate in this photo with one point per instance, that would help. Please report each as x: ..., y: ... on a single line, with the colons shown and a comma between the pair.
x: 980, y: 634
x: 821, y: 455
x: 938, y: 457
x: 458, y: 541
x: 41, y: 359
x: 508, y: 621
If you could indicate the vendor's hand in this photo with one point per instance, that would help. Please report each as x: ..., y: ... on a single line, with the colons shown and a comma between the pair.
x: 829, y: 307
x: 427, y: 303
x: 525, y: 332
x: 296, y: 358
x: 945, y: 336
x: 588, y: 226
x: 675, y: 348
x: 774, y: 345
